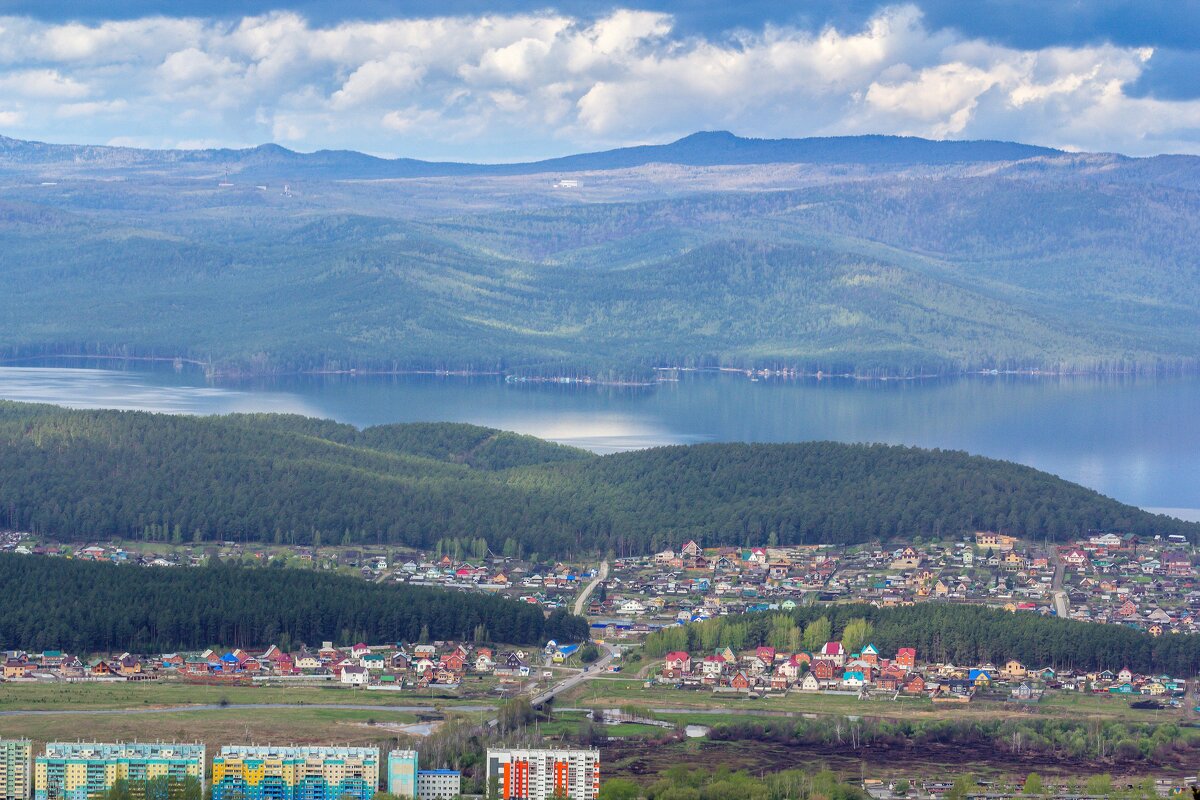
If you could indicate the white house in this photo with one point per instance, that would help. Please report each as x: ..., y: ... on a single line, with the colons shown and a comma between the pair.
x: 354, y: 675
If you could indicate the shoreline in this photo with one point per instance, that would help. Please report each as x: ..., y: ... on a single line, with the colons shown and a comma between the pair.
x: 661, y: 374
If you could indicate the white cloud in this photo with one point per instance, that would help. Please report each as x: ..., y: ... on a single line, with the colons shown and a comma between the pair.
x: 48, y: 84
x: 539, y: 82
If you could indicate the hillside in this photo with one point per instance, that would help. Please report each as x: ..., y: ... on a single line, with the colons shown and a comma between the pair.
x: 291, y: 480
x: 873, y: 255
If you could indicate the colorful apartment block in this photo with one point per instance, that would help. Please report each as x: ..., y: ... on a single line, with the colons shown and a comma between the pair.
x: 544, y: 774
x: 295, y: 773
x: 80, y: 770
x: 402, y: 773
x: 16, y: 769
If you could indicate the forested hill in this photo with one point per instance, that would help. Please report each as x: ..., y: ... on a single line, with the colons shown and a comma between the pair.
x: 86, y: 607
x: 871, y: 255
x: 101, y: 474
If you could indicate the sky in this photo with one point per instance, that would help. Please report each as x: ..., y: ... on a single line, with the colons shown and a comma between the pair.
x: 505, y: 80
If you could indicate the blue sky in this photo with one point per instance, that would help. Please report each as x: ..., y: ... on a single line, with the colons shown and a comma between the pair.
x: 510, y: 79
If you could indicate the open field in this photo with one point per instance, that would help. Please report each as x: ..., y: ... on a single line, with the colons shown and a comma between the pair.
x: 616, y: 692
x: 308, y: 725
x: 148, y: 694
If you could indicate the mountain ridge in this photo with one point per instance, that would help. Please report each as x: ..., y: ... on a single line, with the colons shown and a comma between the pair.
x: 703, y: 148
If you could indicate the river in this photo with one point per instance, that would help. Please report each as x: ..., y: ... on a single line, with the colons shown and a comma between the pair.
x: 1135, y: 439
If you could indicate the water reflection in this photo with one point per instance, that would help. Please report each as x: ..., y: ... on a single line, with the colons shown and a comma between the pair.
x: 1135, y: 439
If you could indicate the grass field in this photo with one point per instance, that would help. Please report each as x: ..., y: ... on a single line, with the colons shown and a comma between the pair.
x: 616, y: 692
x: 307, y: 725
x: 49, y: 697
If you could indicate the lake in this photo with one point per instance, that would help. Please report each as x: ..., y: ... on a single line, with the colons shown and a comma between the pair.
x: 1135, y: 439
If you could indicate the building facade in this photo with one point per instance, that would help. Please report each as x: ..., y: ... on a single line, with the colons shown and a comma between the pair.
x: 294, y: 773
x: 80, y: 770
x: 438, y: 784
x: 402, y: 773
x: 16, y: 769
x: 544, y: 774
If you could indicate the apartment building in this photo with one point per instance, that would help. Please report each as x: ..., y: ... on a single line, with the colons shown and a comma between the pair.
x: 438, y: 784
x: 544, y: 773
x: 81, y: 770
x: 402, y: 773
x: 294, y: 773
x: 16, y: 769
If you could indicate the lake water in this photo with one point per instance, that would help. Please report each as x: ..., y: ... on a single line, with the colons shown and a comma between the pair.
x: 1135, y: 439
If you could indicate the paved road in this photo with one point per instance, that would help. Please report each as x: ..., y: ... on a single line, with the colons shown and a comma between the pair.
x: 1062, y: 606
x: 597, y: 670
x: 581, y: 601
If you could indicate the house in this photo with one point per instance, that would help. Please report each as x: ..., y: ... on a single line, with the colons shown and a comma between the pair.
x: 823, y: 669
x: 810, y: 683
x: 995, y: 541
x: 1075, y: 558
x: 979, y: 677
x: 359, y: 650
x: 712, y: 665
x: 690, y: 549
x: 906, y: 658
x: 853, y: 680
x: 631, y: 606
x: 679, y: 661
x: 1023, y: 692
x: 354, y: 675
x: 18, y: 668
x: 1014, y: 670
x: 834, y: 652
x: 1178, y: 565
x: 375, y: 661
x: 307, y: 661
x: 172, y: 661
x: 511, y: 665
x: 740, y: 681
x: 914, y: 685
x: 870, y: 654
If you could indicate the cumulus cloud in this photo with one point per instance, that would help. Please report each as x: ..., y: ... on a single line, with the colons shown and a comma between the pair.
x: 530, y: 84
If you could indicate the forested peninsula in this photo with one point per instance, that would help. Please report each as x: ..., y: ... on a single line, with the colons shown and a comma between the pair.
x: 75, y: 475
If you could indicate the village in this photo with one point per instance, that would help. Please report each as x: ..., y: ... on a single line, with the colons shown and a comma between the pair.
x: 1104, y: 578
x: 832, y: 669
x: 1149, y: 585
x: 436, y: 666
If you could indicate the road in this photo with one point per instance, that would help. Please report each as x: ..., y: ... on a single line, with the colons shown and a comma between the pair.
x: 599, y: 666
x: 581, y: 601
x: 1062, y: 607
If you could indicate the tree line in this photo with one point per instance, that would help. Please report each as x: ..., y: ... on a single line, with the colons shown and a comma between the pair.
x: 78, y: 475
x: 86, y: 607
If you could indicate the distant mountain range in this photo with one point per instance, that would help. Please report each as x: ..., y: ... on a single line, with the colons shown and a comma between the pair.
x: 866, y: 255
x: 705, y: 149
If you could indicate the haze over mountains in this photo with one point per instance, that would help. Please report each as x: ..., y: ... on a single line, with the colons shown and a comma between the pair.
x: 863, y: 254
